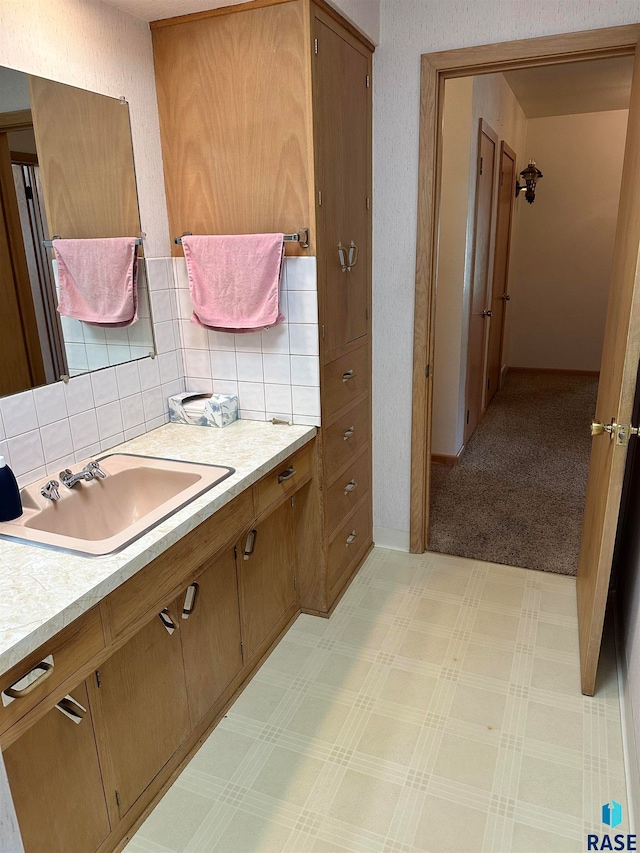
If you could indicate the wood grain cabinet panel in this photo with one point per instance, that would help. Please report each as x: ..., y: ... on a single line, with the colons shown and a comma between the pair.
x: 284, y: 480
x: 210, y: 632
x: 351, y: 539
x: 348, y: 489
x: 344, y: 380
x: 266, y: 575
x: 56, y: 785
x: 144, y: 713
x: 346, y: 436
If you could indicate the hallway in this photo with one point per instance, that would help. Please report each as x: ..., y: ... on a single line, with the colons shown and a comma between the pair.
x: 438, y: 710
x: 517, y: 494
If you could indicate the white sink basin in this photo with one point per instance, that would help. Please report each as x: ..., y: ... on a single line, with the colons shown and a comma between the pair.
x: 105, y: 515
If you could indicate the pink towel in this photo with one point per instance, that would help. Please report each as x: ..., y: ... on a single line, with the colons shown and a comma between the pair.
x: 235, y: 280
x: 97, y: 280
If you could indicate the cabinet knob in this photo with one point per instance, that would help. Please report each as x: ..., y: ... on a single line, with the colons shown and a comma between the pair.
x: 190, y: 598
x: 350, y: 487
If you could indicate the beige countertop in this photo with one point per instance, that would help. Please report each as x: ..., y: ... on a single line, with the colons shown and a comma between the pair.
x: 43, y: 590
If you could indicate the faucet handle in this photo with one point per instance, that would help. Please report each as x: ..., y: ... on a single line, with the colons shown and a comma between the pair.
x: 95, y: 469
x: 65, y: 476
x: 50, y: 490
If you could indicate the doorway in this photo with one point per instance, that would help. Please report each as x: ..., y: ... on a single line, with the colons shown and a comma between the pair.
x: 620, y: 350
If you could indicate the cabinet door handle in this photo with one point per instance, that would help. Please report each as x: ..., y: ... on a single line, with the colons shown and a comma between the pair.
x: 350, y: 487
x: 351, y: 538
x: 342, y: 256
x: 353, y: 256
x: 46, y: 670
x: 250, y: 543
x: 348, y: 375
x: 348, y: 433
x: 190, y: 598
x: 72, y: 709
x: 287, y: 474
x: 167, y: 620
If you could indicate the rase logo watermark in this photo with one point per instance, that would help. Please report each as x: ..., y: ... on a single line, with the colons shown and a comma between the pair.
x: 612, y: 817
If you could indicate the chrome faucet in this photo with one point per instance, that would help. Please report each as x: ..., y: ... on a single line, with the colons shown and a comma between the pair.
x: 91, y: 471
x: 50, y: 491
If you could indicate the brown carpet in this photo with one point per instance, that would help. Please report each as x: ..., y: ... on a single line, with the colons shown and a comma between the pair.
x: 517, y: 494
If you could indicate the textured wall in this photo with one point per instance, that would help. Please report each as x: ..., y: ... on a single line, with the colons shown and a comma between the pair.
x: 94, y: 46
x: 409, y: 28
x: 559, y: 281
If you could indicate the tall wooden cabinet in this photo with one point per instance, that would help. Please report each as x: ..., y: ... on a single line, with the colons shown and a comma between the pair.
x: 265, y: 119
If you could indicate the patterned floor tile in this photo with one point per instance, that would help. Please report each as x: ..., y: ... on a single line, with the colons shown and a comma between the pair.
x: 437, y: 711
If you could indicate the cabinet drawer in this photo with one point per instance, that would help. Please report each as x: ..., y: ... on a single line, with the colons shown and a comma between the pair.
x: 128, y: 607
x: 354, y: 534
x: 35, y: 678
x: 344, y: 380
x: 347, y: 491
x: 284, y: 480
x: 345, y: 437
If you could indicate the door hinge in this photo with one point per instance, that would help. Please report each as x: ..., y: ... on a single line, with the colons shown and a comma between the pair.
x: 28, y: 192
x: 488, y: 384
x: 235, y: 552
x: 467, y: 415
x: 368, y: 81
x: 118, y: 799
x: 98, y: 679
x: 481, y: 162
x: 368, y: 203
x: 427, y: 371
x: 320, y: 198
x: 323, y: 333
x: 293, y: 500
x: 241, y: 649
x: 295, y: 583
x: 315, y: 46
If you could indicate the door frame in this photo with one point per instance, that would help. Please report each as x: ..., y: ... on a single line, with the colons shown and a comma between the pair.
x: 511, y: 154
x: 435, y: 69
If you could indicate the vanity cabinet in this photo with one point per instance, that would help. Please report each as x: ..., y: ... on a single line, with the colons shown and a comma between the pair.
x: 282, y: 141
x: 209, y: 624
x: 152, y: 668
x: 56, y: 781
x: 266, y: 578
x: 141, y: 708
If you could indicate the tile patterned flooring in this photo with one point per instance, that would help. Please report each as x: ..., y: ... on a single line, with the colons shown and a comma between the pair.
x: 439, y: 710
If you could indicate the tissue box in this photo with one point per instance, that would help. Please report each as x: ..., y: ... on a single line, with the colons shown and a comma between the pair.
x: 213, y: 410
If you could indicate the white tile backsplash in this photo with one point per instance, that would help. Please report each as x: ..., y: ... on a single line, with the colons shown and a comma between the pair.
x: 274, y: 373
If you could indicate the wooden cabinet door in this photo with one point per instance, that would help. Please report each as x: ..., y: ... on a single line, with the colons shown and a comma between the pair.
x: 55, y: 781
x: 342, y: 140
x: 266, y: 574
x: 210, y: 629
x: 144, y: 710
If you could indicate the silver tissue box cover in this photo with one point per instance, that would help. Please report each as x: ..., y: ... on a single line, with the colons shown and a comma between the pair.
x: 219, y: 409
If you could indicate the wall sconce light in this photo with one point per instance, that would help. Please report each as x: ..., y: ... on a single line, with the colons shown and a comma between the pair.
x: 531, y: 176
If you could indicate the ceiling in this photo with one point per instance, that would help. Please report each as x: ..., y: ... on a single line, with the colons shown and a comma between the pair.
x: 576, y: 87
x: 155, y: 10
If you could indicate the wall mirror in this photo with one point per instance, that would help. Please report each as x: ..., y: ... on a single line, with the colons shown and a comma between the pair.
x: 66, y: 170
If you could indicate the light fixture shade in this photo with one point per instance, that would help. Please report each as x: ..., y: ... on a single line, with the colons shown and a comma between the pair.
x: 531, y: 176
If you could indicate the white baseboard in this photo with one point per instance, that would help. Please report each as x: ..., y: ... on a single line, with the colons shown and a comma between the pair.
x: 395, y: 540
x: 629, y: 744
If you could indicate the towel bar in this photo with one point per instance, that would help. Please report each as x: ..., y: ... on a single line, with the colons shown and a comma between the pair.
x: 48, y: 244
x: 301, y: 237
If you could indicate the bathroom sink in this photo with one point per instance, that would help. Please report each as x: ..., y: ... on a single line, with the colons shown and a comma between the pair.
x: 103, y: 516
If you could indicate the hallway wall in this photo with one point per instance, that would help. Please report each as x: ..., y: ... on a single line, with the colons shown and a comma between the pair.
x: 467, y: 100
x: 560, y: 274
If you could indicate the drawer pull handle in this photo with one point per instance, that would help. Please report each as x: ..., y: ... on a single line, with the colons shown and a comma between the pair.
x: 167, y: 620
x: 250, y: 543
x: 342, y: 257
x: 190, y: 598
x: 287, y: 474
x: 350, y: 487
x: 72, y: 709
x: 353, y: 256
x: 348, y: 433
x: 46, y: 669
x: 351, y: 538
x: 348, y: 375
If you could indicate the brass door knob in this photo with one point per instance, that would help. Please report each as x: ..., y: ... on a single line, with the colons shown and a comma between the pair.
x: 598, y: 428
x: 487, y: 313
